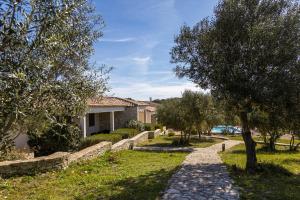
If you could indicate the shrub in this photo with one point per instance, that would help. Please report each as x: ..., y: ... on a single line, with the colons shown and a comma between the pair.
x: 136, y: 125
x: 126, y: 132
x: 58, y: 137
x: 13, y: 154
x: 97, y: 138
x: 170, y: 134
x: 147, y: 127
x: 114, y: 137
x: 158, y: 126
x: 179, y: 142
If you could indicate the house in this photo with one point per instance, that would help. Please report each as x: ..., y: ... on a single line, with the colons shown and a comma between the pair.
x: 106, y: 114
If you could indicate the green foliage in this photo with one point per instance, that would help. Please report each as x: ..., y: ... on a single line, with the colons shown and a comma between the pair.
x: 170, y: 134
x: 247, y: 54
x: 13, y: 154
x: 158, y: 126
x: 119, y: 176
x: 97, y: 138
x: 168, y: 113
x: 126, y: 132
x: 270, y: 124
x: 114, y: 137
x: 58, y: 137
x: 193, y: 113
x: 136, y: 125
x: 148, y: 127
x: 45, y: 68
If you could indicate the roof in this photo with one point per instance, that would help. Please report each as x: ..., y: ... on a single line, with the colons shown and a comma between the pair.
x: 137, y: 103
x: 109, y: 102
x: 151, y: 103
x: 151, y: 108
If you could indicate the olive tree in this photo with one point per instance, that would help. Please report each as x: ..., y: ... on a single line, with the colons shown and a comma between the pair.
x: 247, y: 54
x: 45, y: 71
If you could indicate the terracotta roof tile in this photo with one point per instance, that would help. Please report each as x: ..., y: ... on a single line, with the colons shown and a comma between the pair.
x: 109, y: 102
x: 138, y: 103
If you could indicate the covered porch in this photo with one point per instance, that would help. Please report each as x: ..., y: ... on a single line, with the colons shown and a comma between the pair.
x: 101, y: 119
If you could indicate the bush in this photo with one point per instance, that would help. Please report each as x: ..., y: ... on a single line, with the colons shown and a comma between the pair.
x: 147, y: 127
x: 136, y: 125
x: 170, y: 134
x: 58, y: 137
x: 114, y: 137
x: 13, y: 154
x: 179, y: 142
x: 158, y: 126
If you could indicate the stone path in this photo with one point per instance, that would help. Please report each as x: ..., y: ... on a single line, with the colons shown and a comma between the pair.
x: 202, y: 177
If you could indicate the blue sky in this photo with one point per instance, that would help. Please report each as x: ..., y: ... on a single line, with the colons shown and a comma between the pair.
x: 138, y: 36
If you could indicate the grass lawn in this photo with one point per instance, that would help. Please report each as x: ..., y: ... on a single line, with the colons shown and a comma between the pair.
x: 259, y: 138
x: 278, y: 177
x: 166, y: 141
x: 123, y: 175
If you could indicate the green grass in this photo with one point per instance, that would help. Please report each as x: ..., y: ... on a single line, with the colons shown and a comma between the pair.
x: 123, y: 175
x: 259, y: 138
x: 278, y: 176
x: 166, y: 141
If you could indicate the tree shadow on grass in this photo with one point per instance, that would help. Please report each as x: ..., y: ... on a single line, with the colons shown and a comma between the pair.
x: 265, y: 150
x: 169, y: 142
x: 269, y: 182
x: 144, y: 187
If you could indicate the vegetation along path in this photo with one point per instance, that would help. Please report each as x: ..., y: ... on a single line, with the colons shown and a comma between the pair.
x: 202, y: 176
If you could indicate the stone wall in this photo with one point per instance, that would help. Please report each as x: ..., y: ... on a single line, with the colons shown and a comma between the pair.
x: 58, y: 160
x: 140, y: 138
x: 90, y: 152
x: 61, y: 160
x: 122, y: 145
x: 154, y: 134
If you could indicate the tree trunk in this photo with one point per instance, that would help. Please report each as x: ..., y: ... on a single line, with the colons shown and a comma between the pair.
x: 272, y: 143
x: 250, y: 144
x: 199, y: 134
x: 292, y: 142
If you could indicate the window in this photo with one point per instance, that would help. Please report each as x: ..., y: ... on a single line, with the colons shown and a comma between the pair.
x: 92, y: 119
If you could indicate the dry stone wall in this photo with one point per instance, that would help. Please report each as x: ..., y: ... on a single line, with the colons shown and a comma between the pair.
x: 90, y: 152
x: 61, y: 160
x: 58, y: 160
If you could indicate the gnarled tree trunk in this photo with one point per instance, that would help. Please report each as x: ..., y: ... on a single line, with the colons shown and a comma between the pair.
x: 250, y: 144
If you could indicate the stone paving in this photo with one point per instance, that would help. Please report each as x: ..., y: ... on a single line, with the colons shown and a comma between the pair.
x: 202, y: 177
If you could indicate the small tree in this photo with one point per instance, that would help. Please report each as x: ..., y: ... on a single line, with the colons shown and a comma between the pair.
x: 246, y: 54
x: 270, y: 125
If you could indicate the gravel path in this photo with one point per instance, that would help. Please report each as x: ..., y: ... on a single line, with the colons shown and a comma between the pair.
x: 203, y: 176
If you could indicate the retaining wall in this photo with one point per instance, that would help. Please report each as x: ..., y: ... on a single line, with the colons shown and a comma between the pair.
x: 58, y: 160
x: 122, y: 145
x: 61, y: 160
x: 140, y: 138
x: 90, y: 152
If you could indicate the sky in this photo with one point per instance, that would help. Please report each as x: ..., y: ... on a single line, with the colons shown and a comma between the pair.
x: 138, y: 37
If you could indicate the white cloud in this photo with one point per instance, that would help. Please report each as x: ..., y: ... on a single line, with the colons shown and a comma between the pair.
x: 129, y: 39
x: 142, y: 63
x: 142, y: 60
x: 143, y: 91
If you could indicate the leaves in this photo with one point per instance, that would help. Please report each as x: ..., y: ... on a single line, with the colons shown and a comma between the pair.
x: 45, y: 48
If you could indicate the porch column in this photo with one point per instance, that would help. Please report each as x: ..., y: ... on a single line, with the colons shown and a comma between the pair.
x: 84, y: 126
x: 112, y: 121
